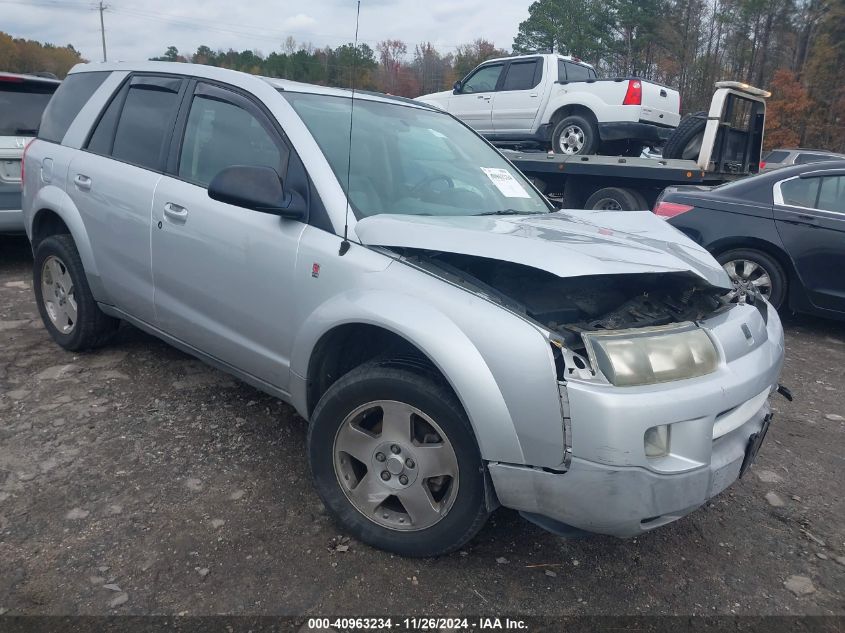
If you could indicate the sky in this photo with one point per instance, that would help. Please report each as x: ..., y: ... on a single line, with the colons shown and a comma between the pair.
x: 139, y: 30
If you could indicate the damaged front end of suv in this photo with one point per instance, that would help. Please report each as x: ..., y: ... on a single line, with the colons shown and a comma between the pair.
x: 663, y: 382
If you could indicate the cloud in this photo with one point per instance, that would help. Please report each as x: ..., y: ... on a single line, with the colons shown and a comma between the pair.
x: 299, y: 21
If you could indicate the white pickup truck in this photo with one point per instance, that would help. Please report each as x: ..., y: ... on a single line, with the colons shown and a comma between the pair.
x: 559, y: 102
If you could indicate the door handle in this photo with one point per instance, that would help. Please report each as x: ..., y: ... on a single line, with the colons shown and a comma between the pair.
x: 533, y: 95
x: 806, y: 217
x: 175, y: 213
x: 82, y: 182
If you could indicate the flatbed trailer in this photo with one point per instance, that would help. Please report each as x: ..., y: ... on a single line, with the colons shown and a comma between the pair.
x: 730, y: 148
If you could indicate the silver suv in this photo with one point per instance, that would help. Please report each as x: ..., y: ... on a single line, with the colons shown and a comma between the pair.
x: 779, y: 158
x: 453, y: 341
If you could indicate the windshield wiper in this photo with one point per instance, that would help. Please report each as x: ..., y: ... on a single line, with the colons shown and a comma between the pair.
x: 505, y: 212
x: 23, y: 130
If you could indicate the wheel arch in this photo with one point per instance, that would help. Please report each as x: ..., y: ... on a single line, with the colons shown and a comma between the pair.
x: 421, y: 337
x: 56, y: 213
x: 571, y: 109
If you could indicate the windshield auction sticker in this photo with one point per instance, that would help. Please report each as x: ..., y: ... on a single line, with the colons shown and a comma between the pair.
x: 505, y: 182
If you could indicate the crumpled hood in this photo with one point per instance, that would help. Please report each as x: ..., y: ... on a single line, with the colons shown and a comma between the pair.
x: 564, y: 243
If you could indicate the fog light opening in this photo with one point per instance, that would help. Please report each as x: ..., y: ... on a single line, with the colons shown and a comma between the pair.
x: 656, y: 441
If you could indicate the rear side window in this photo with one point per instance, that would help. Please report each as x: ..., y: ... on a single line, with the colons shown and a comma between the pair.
x: 832, y: 194
x: 804, y: 159
x: 71, y: 95
x: 146, y: 121
x: 522, y: 76
x: 21, y: 105
x: 775, y: 157
x: 800, y: 192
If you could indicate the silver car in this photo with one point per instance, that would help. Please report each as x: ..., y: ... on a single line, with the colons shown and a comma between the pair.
x: 22, y: 101
x: 454, y: 342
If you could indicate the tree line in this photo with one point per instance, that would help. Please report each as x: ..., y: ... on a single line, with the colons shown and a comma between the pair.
x: 794, y: 48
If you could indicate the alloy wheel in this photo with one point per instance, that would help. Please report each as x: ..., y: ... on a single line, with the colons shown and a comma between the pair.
x: 57, y: 291
x: 396, y: 465
x: 571, y: 140
x: 745, y: 275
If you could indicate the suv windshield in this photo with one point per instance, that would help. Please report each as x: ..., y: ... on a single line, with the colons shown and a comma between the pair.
x: 21, y: 105
x: 412, y: 160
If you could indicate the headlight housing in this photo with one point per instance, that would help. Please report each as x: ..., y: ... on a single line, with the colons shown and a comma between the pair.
x: 652, y: 355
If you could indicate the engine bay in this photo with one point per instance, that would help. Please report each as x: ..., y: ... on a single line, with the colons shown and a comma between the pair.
x: 572, y: 305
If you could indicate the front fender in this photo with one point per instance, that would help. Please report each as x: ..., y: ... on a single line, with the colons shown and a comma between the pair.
x: 439, y: 338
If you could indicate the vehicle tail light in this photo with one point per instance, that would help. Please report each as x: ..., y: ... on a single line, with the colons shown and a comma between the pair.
x: 634, y: 95
x: 13, y: 80
x: 668, y: 210
x: 23, y: 157
x: 762, y: 164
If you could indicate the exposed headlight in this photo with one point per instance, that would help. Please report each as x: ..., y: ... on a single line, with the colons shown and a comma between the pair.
x: 659, y: 354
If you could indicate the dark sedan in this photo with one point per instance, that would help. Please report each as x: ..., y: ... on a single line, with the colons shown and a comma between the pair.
x: 783, y: 232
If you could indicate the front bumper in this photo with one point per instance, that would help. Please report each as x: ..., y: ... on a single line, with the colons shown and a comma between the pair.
x: 609, y: 486
x: 623, y: 501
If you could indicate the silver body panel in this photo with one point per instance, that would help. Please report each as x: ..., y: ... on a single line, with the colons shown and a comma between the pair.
x: 236, y: 288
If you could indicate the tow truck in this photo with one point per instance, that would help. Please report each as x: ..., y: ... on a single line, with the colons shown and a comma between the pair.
x: 711, y: 148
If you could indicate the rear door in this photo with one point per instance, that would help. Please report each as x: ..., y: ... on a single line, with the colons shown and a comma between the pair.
x: 224, y: 274
x: 474, y: 103
x: 518, y: 99
x: 810, y: 217
x: 113, y: 180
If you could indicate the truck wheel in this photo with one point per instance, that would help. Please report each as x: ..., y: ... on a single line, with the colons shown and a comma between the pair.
x: 575, y: 135
x: 749, y: 267
x: 395, y: 461
x: 685, y: 141
x: 616, y: 199
x: 65, y: 302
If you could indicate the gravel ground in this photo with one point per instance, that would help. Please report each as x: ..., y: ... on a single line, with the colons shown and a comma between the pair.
x: 135, y: 480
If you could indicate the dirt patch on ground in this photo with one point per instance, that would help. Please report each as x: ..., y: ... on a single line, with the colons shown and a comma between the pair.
x: 137, y: 480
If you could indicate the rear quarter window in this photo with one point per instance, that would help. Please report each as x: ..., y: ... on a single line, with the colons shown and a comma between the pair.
x: 66, y: 103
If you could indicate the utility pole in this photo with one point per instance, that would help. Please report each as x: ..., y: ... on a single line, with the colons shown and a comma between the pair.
x: 103, y: 30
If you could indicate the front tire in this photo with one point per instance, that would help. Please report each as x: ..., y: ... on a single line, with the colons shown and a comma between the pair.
x: 64, y: 299
x: 395, y: 461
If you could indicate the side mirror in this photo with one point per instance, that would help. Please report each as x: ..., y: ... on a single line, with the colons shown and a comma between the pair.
x: 456, y: 88
x: 258, y: 189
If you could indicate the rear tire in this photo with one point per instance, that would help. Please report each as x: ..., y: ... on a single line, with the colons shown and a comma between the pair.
x: 616, y: 199
x: 575, y: 135
x: 749, y: 266
x: 364, y: 412
x: 65, y: 303
x: 685, y: 141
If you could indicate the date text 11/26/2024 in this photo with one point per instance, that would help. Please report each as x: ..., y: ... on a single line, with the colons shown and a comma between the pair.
x: 417, y: 624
